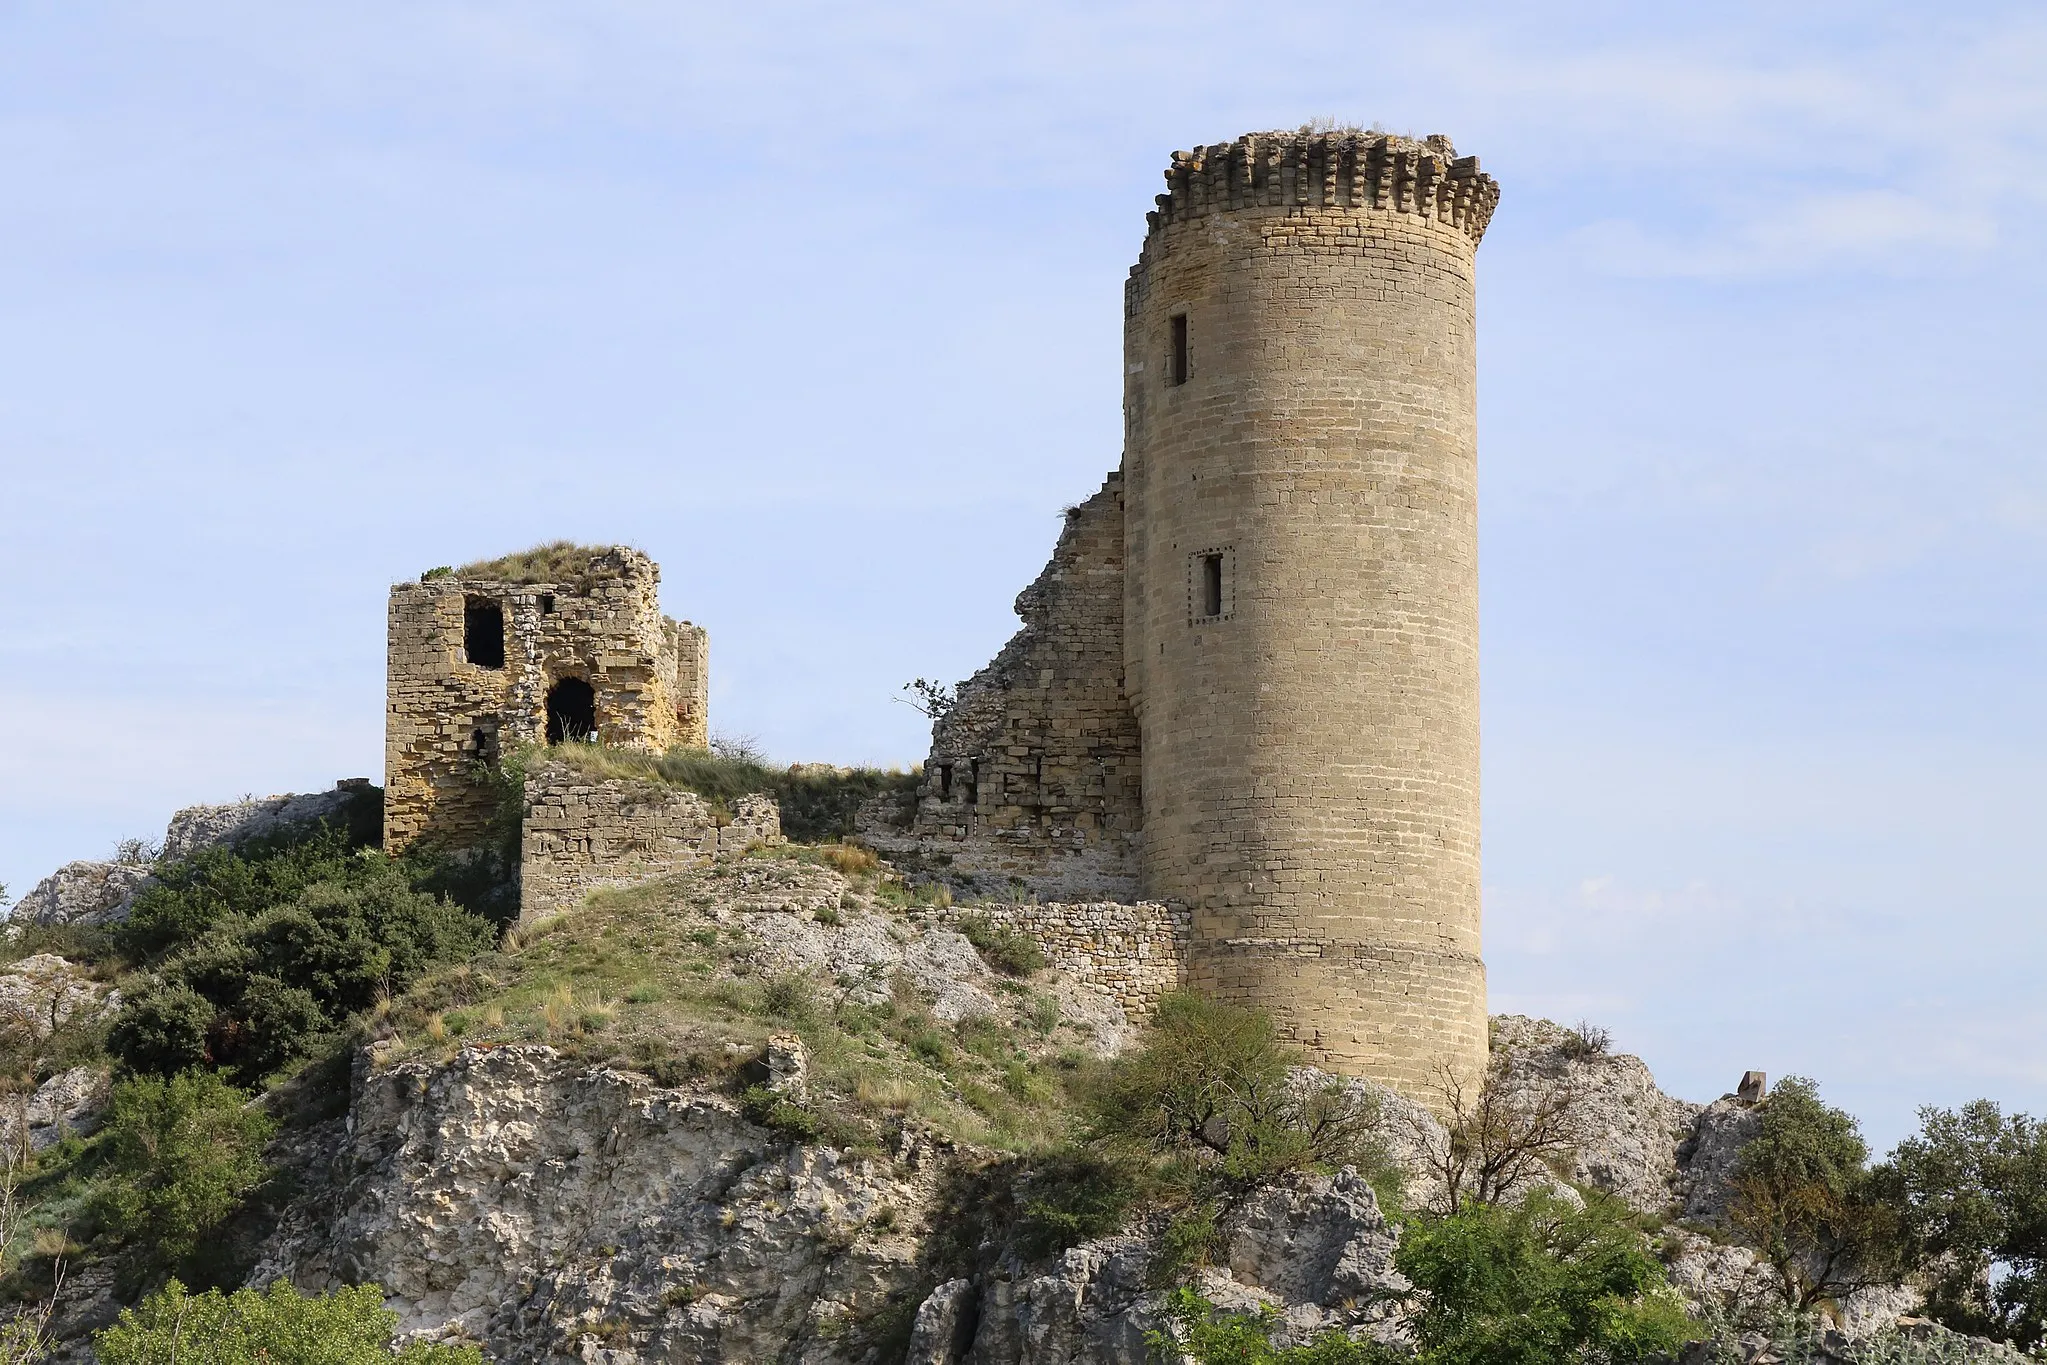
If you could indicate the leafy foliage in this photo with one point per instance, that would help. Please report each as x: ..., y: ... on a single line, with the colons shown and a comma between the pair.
x: 279, y: 1326
x: 1215, y: 1082
x: 1804, y: 1199
x: 261, y: 951
x: 1971, y: 1192
x: 1008, y: 950
x: 1209, y: 1336
x: 1544, y: 1283
x: 182, y: 1154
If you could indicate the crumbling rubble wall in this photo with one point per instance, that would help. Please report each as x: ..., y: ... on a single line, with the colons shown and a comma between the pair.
x: 581, y: 833
x: 1034, y: 770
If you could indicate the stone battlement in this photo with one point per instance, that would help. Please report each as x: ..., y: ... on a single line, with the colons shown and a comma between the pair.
x: 1338, y: 170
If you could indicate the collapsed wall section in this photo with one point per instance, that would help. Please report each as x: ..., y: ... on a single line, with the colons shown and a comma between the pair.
x: 1034, y: 772
x: 478, y: 665
x: 582, y: 833
x: 1133, y: 952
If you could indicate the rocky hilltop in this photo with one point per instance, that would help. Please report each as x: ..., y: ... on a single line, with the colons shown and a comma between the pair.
x: 793, y: 1105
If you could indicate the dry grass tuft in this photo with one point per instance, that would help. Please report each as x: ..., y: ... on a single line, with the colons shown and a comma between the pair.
x: 558, y: 561
x: 851, y: 860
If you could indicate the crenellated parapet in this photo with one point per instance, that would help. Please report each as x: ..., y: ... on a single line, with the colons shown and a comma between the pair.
x: 1335, y: 170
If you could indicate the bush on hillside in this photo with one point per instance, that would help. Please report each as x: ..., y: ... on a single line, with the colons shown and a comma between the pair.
x: 1804, y: 1199
x: 182, y: 1154
x: 1006, y: 949
x: 1970, y: 1190
x: 260, y: 951
x: 1545, y: 1283
x: 1215, y: 1083
x: 278, y: 1326
x: 1198, y: 1331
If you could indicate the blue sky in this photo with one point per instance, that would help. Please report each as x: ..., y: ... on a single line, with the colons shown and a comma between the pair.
x: 820, y: 305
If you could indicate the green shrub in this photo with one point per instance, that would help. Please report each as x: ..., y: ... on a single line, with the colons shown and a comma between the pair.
x: 163, y: 1031
x: 182, y: 1154
x: 1002, y: 947
x: 1201, y: 1332
x: 279, y: 1326
x: 1970, y: 1189
x: 1077, y: 1196
x: 1546, y: 1283
x: 1214, y: 1082
x: 1802, y: 1196
x: 248, y: 983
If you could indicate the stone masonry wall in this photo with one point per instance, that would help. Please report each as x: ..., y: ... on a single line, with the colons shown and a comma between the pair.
x: 582, y: 833
x: 1135, y: 952
x: 1034, y: 772
x: 446, y: 716
x: 1300, y: 415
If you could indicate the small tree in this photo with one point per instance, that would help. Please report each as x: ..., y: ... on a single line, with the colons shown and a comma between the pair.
x: 1215, y: 1082
x: 1970, y: 1189
x: 277, y: 1327
x: 1804, y: 1199
x: 182, y: 1155
x: 1545, y: 1283
x: 1498, y: 1139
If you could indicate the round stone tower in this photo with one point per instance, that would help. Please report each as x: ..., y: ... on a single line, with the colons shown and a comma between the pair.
x: 1301, y: 609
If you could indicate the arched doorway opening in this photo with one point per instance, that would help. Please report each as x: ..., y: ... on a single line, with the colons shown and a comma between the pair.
x: 571, y: 711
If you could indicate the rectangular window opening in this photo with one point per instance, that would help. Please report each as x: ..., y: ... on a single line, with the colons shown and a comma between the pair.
x: 546, y: 603
x: 1177, y: 367
x: 945, y: 781
x: 483, y: 633
x: 1211, y: 585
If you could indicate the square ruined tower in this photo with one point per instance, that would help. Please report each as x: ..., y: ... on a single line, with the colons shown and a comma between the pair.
x: 558, y: 644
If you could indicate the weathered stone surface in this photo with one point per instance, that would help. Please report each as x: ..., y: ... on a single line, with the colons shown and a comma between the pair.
x: 196, y: 828
x: 1628, y: 1130
x: 581, y: 833
x: 550, y: 1212
x: 451, y: 708
x: 85, y: 893
x: 69, y: 1104
x: 40, y: 994
x: 1708, y: 1155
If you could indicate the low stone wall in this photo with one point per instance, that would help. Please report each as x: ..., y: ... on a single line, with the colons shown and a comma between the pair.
x: 1134, y: 951
x: 583, y: 832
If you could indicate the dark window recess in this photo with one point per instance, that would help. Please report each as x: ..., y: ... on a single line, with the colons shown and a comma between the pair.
x: 1176, y: 369
x: 483, y: 740
x: 483, y: 634
x: 974, y: 782
x: 546, y: 603
x: 571, y: 711
x: 945, y: 781
x: 1211, y: 585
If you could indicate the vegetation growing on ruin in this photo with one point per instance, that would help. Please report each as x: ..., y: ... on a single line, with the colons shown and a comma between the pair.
x: 818, y: 801
x: 556, y: 561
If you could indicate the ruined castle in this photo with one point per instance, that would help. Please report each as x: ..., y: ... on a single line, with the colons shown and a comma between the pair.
x: 522, y: 650
x: 1245, y: 692
x: 1247, y: 682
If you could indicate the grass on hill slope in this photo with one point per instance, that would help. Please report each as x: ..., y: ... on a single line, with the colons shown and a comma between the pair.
x: 666, y: 979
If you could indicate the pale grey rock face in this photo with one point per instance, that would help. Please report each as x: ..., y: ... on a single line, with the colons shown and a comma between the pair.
x: 549, y: 1212
x: 196, y: 828
x: 70, y: 1104
x: 84, y: 893
x: 1629, y: 1131
x: 42, y: 993
x: 1723, y: 1128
